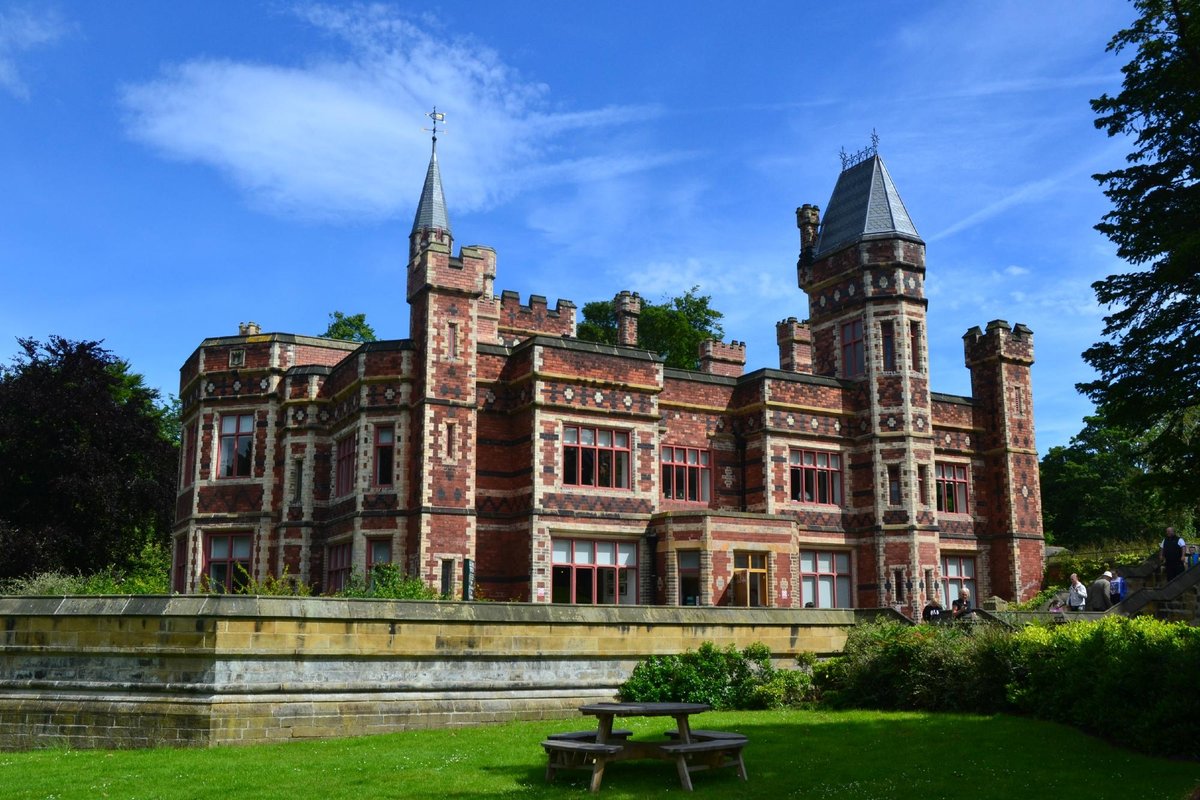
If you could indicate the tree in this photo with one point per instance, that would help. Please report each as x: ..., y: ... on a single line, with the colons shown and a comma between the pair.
x: 1149, y: 363
x: 352, y: 328
x: 87, y: 461
x: 1098, y: 490
x: 673, y: 328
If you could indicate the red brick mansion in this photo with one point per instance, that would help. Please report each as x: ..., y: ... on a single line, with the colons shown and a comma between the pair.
x: 493, y: 453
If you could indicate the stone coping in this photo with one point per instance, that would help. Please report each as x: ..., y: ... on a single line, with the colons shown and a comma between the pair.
x: 320, y: 608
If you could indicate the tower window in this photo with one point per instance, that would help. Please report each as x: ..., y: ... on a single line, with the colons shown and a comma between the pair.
x: 951, y: 488
x: 887, y: 337
x: 914, y: 344
x: 852, y: 349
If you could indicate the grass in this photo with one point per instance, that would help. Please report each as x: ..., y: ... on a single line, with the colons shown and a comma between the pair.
x: 809, y: 754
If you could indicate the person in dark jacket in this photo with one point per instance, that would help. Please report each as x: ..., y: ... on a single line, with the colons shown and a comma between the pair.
x: 1171, y: 554
x: 932, y: 613
x: 1098, y: 595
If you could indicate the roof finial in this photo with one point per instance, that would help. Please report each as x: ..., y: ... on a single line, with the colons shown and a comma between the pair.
x: 437, y: 117
x: 851, y: 159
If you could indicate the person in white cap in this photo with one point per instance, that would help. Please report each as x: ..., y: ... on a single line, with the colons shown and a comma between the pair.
x: 1098, y: 593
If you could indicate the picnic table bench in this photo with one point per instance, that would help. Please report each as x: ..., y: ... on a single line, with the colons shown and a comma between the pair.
x: 690, y: 750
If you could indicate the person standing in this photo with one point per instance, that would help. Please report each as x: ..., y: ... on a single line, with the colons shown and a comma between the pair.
x: 1171, y: 554
x: 1077, y: 594
x: 1098, y: 594
x: 961, y: 607
x: 932, y: 613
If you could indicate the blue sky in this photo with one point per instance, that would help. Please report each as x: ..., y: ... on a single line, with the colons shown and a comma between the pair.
x: 169, y: 170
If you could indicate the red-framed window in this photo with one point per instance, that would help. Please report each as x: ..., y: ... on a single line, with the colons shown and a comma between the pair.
x: 189, y: 456
x: 914, y: 344
x: 922, y: 484
x: 590, y: 572
x: 689, y: 577
x: 853, y: 363
x: 344, y: 466
x: 385, y: 455
x: 750, y: 579
x: 179, y: 579
x: 958, y: 573
x: 237, y: 445
x: 595, y: 457
x: 686, y: 474
x: 816, y: 476
x: 339, y: 558
x: 379, y: 551
x: 825, y: 579
x: 227, y: 561
x: 951, y: 487
x: 887, y: 338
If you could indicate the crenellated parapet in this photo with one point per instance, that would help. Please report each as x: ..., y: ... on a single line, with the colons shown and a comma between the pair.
x: 518, y: 322
x: 795, y: 345
x: 999, y: 341
x: 722, y: 358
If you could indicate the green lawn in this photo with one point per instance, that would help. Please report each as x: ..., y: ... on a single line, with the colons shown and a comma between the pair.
x: 804, y: 754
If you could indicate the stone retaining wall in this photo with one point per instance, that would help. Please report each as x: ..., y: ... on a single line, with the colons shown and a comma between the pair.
x: 206, y: 670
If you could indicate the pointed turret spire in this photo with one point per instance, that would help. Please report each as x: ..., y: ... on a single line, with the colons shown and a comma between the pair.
x: 431, y: 210
x: 865, y: 205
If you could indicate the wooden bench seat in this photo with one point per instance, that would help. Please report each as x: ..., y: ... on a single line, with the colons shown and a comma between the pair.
x: 703, y: 735
x: 571, y: 754
x: 715, y: 753
x: 588, y: 736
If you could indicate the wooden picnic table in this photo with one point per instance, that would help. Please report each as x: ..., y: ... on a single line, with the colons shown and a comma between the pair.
x: 691, y: 750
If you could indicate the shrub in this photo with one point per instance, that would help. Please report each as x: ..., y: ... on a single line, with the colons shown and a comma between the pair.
x: 387, y: 582
x: 1116, y: 677
x: 285, y: 585
x: 1130, y: 678
x: 724, y: 679
x: 147, y: 573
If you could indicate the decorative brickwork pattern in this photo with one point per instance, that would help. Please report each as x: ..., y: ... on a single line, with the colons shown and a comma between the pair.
x: 477, y: 402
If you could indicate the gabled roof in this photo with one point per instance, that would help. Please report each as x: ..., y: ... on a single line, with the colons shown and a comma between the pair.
x: 865, y: 205
x: 431, y: 211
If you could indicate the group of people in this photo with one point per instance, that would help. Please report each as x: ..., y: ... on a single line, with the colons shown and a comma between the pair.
x: 1106, y: 591
x: 934, y: 614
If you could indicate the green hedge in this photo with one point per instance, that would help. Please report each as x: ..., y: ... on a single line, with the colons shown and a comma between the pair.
x: 1125, y: 679
x: 724, y: 679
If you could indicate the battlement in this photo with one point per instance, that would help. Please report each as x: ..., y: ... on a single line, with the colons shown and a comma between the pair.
x: 795, y: 345
x: 520, y: 321
x: 999, y: 341
x: 627, y: 306
x: 722, y: 358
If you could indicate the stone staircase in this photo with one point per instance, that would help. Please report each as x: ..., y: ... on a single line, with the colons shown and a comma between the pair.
x: 1150, y: 593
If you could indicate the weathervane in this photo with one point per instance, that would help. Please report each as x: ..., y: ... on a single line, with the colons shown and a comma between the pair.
x: 436, y: 116
x: 851, y: 159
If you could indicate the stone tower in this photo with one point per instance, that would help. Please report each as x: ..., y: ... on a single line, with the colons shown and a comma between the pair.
x: 444, y: 293
x: 864, y: 273
x: 1000, y: 359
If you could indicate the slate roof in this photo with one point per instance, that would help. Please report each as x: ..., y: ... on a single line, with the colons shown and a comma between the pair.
x: 431, y: 211
x: 865, y: 205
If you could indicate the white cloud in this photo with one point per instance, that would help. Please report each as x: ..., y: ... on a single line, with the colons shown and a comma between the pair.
x: 340, y: 136
x: 22, y: 30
